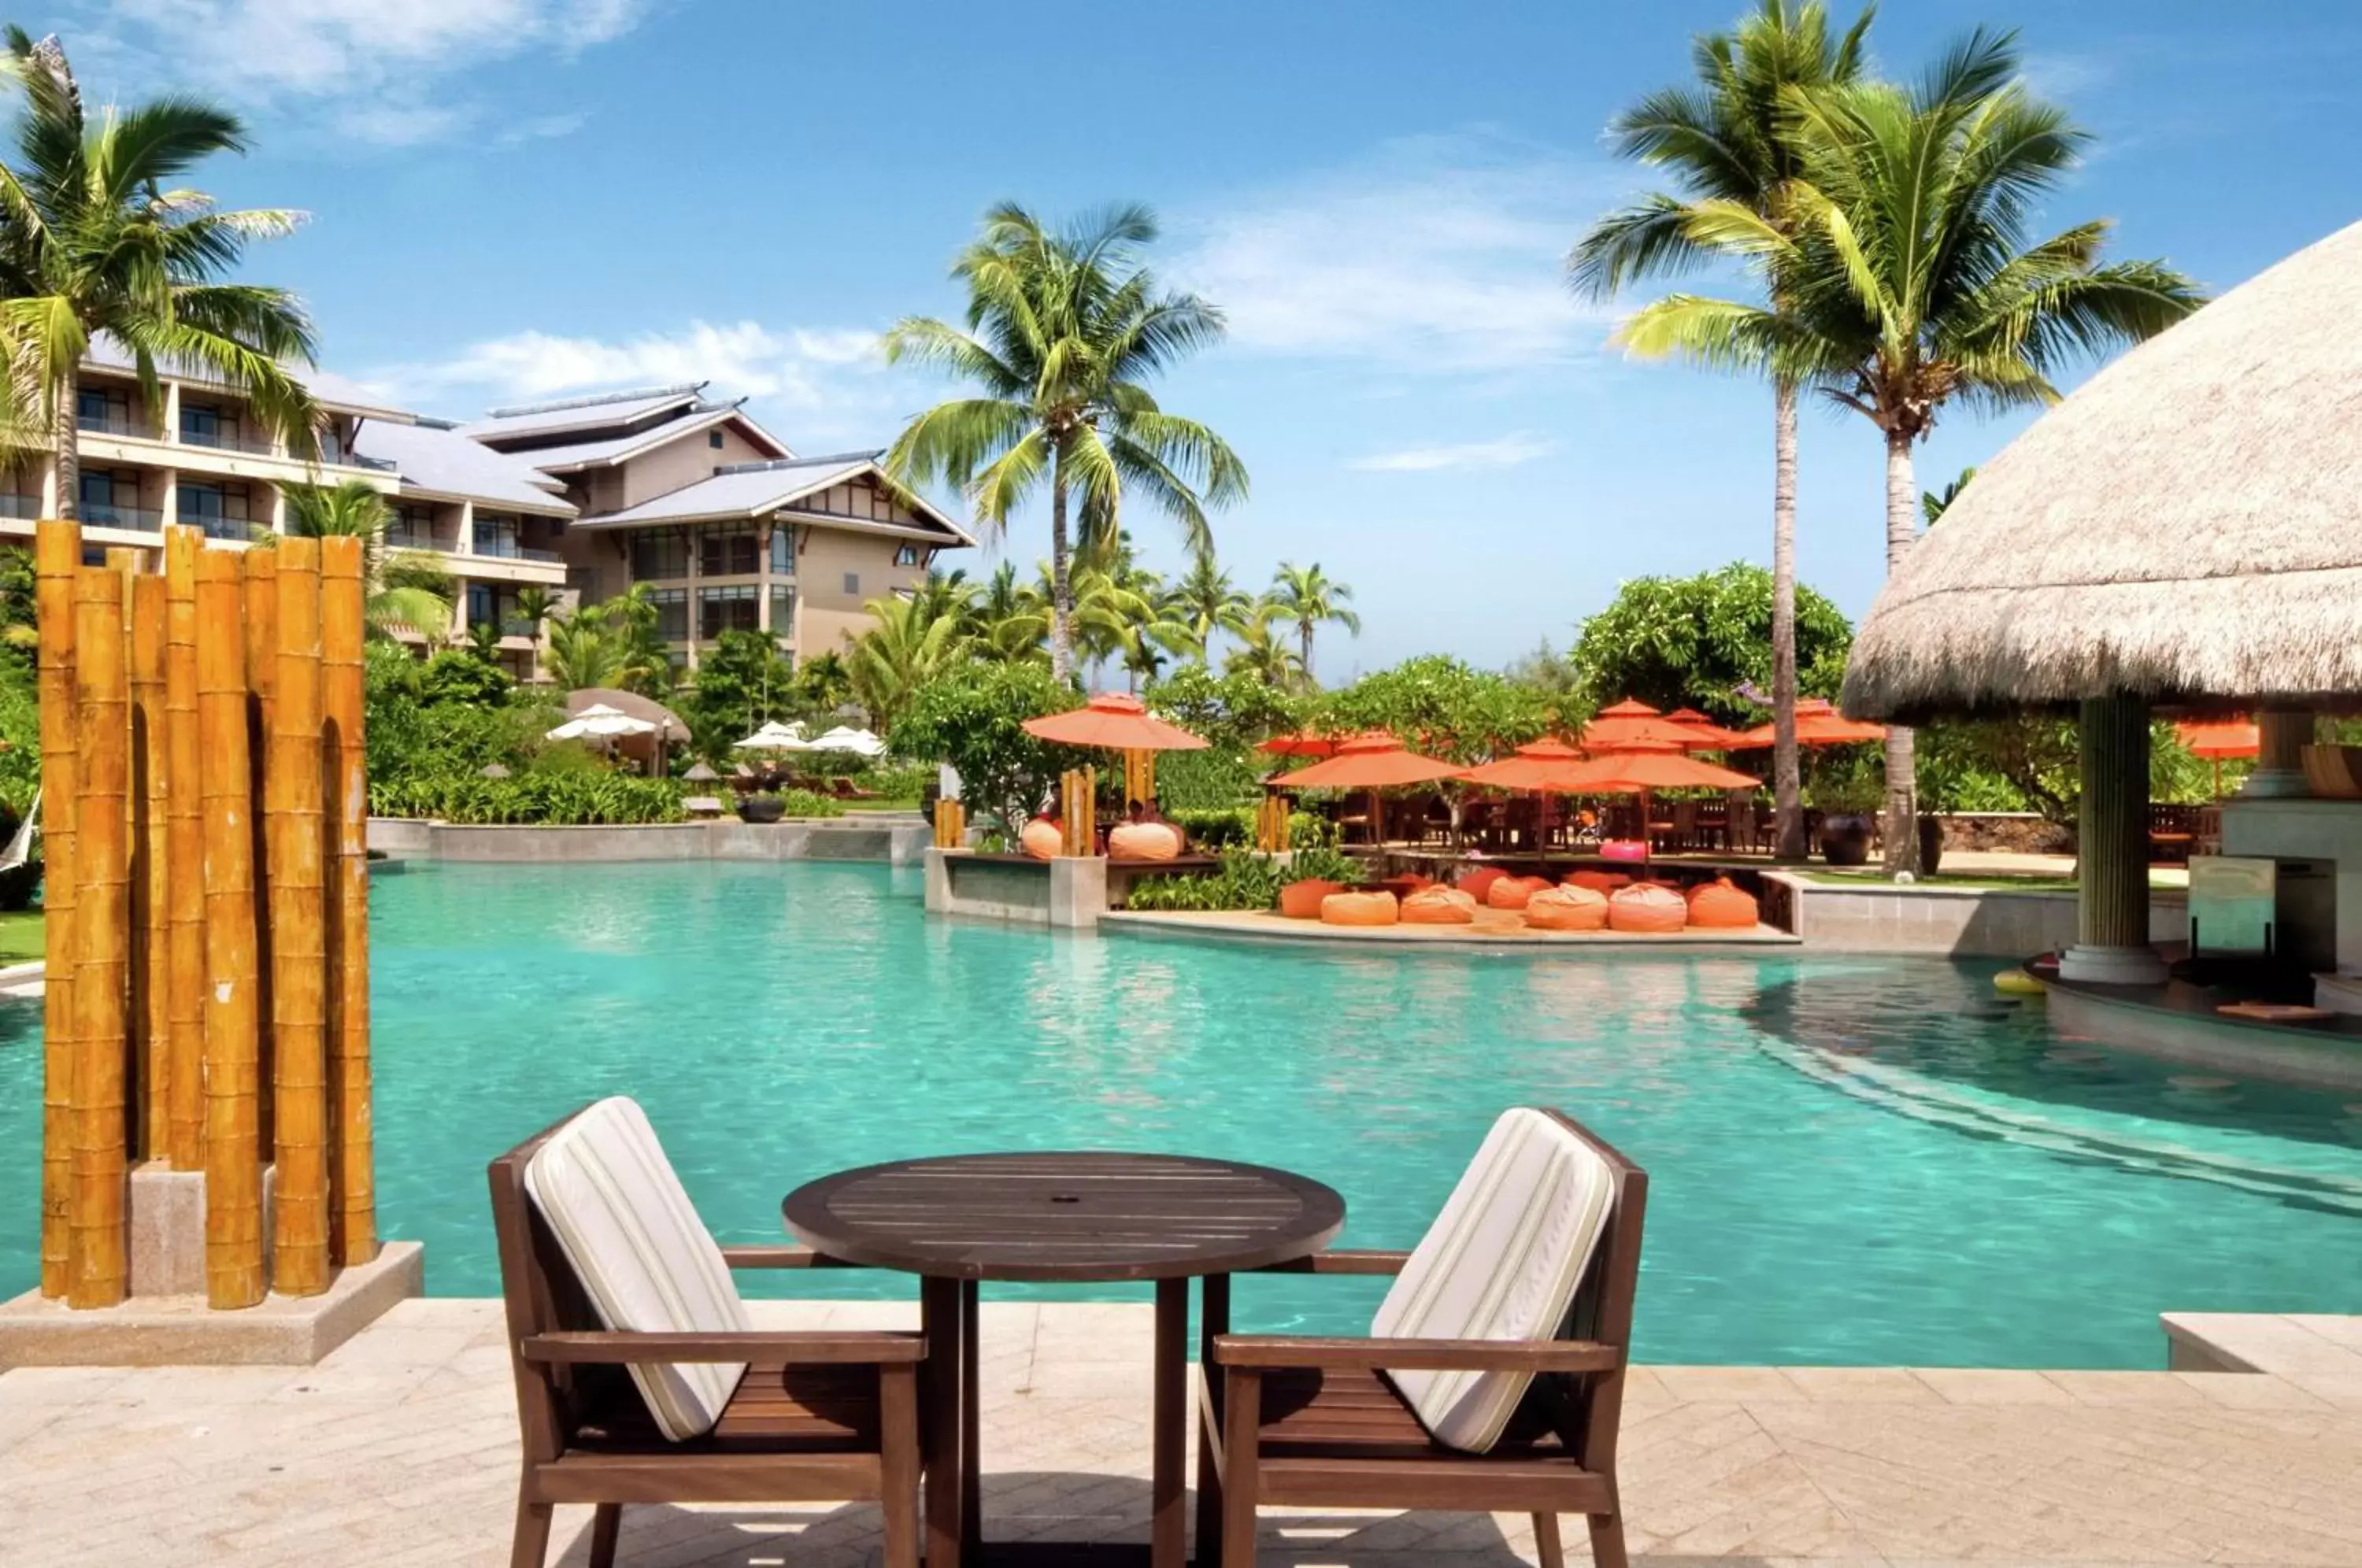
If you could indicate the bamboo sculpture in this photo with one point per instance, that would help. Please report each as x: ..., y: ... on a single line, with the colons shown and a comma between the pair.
x: 184, y: 854
x: 57, y: 557
x: 1078, y: 789
x: 950, y: 824
x: 299, y: 943
x: 345, y: 775
x: 233, y: 1241
x: 164, y: 940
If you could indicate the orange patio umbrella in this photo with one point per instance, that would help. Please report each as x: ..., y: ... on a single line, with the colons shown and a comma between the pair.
x: 1537, y: 765
x: 1818, y: 722
x: 1303, y: 743
x: 1374, y: 761
x: 2215, y: 739
x: 1113, y: 722
x: 1711, y: 736
x: 1653, y: 768
x: 1629, y: 723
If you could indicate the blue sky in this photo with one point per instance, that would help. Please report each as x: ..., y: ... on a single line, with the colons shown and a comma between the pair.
x: 515, y: 199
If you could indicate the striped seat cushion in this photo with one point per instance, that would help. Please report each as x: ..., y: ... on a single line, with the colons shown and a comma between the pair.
x: 647, y: 1260
x: 1501, y: 1261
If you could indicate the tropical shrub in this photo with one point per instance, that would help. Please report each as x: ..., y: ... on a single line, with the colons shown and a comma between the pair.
x: 1231, y: 827
x: 1441, y: 707
x: 1693, y: 642
x: 555, y: 799
x: 804, y: 803
x: 461, y: 674
x: 743, y: 681
x: 1246, y: 881
x: 971, y: 716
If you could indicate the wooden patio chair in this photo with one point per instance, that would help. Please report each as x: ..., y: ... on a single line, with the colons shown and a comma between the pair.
x: 1466, y: 1398
x: 638, y: 1379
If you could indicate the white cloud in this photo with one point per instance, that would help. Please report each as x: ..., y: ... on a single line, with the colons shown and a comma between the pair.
x: 816, y: 383
x: 374, y: 70
x: 545, y: 128
x: 1441, y: 253
x: 1507, y: 452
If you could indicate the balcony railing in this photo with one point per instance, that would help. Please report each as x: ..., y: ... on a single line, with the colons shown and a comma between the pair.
x: 519, y: 626
x: 110, y: 424
x: 394, y: 541
x: 137, y: 517
x: 356, y: 460
x: 509, y: 550
x: 16, y: 505
x: 241, y: 528
x: 228, y: 441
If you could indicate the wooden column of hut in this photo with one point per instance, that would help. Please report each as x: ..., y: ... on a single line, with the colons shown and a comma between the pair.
x: 2183, y: 534
x: 165, y: 759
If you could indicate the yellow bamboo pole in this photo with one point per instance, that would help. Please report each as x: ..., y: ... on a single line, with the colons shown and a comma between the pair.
x: 57, y: 556
x: 352, y: 1176
x: 234, y: 1272
x: 152, y: 867
x: 261, y: 600
x: 294, y: 833
x: 184, y: 852
x: 96, y: 1262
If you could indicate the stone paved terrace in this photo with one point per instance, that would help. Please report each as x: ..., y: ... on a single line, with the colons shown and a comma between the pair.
x: 400, y: 1450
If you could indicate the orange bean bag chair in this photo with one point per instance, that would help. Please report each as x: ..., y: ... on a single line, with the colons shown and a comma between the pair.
x: 1646, y: 906
x: 1438, y: 906
x: 1511, y: 892
x: 1567, y: 909
x: 1144, y: 840
x: 1358, y: 908
x: 1042, y: 839
x: 1600, y: 882
x: 1479, y: 882
x: 1719, y: 906
x: 1302, y: 900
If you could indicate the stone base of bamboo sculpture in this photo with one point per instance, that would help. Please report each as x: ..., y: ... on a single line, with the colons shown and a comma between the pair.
x: 208, y: 1147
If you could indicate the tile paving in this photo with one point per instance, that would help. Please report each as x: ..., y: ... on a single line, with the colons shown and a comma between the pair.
x: 400, y: 1450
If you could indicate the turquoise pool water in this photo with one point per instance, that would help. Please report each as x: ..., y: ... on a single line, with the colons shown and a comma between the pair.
x: 1854, y: 1160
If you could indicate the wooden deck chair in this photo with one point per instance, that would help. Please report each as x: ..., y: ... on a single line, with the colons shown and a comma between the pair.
x: 639, y: 1378
x: 1493, y: 1379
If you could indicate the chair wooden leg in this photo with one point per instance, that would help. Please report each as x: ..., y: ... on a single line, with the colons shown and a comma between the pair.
x: 606, y: 1522
x: 530, y: 1546
x: 1241, y: 1439
x: 899, y: 1464
x: 1546, y: 1543
x: 1607, y: 1541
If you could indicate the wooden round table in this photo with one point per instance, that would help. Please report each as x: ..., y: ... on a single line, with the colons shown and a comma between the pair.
x: 1076, y: 1218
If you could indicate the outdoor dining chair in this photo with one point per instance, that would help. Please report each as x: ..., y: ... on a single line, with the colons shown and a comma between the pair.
x: 1493, y: 1380
x: 640, y: 1377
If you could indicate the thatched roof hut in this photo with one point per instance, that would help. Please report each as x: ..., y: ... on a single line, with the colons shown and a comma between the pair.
x: 2186, y: 527
x: 669, y: 727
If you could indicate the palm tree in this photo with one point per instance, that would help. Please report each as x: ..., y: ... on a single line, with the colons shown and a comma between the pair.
x: 586, y: 649
x: 1205, y: 601
x: 1065, y: 329
x: 1910, y: 265
x: 907, y: 644
x: 402, y: 592
x: 1724, y: 140
x: 97, y: 236
x: 1265, y: 656
x: 1934, y: 504
x: 1307, y: 596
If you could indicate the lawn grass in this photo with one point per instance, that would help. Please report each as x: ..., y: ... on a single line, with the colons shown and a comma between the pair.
x: 20, y: 936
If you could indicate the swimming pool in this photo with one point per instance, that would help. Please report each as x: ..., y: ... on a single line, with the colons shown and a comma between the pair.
x: 1853, y: 1161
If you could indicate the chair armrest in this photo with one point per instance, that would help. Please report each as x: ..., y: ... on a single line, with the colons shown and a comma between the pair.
x: 1297, y: 1351
x: 1342, y: 1260
x: 779, y: 1348
x: 781, y: 1257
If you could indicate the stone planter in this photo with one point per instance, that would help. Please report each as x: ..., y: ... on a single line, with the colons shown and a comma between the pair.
x: 761, y: 809
x: 1845, y: 839
x: 1931, y: 844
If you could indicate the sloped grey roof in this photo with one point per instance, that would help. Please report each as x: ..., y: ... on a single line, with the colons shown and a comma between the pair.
x: 328, y: 388
x: 616, y: 449
x: 435, y: 457
x: 752, y: 492
x: 602, y: 412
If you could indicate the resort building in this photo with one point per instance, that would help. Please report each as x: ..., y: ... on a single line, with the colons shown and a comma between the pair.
x: 580, y: 499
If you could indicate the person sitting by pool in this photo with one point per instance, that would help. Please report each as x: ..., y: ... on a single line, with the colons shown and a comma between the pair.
x: 1144, y: 834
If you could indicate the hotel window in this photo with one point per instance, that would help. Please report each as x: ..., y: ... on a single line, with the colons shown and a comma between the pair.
x: 222, y: 510
x: 672, y: 613
x: 713, y: 439
x: 202, y: 425
x: 729, y: 550
x: 332, y: 444
x: 497, y: 535
x: 109, y: 499
x: 660, y: 554
x: 783, y: 549
x: 907, y: 556
x: 853, y: 584
x: 783, y: 611
x: 721, y: 610
x: 104, y: 409
x: 412, y: 529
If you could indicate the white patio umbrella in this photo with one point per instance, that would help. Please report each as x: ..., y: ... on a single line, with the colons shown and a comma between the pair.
x: 861, y: 743
x: 775, y: 736
x: 599, y: 722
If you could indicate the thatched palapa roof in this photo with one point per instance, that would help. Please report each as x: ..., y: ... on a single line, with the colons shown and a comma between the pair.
x: 2187, y: 525
x: 669, y: 725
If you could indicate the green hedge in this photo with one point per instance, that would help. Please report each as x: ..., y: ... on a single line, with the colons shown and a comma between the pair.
x: 1229, y: 827
x: 563, y: 800
x: 804, y: 803
x: 1246, y: 881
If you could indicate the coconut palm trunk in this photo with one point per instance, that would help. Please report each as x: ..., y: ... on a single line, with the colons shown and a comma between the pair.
x: 1787, y: 784
x: 1902, y: 780
x: 1304, y: 635
x: 65, y: 426
x: 1062, y: 581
